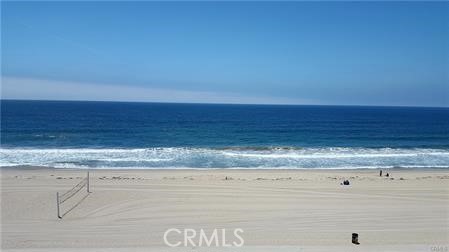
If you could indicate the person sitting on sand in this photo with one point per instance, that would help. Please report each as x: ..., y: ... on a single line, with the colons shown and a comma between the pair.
x: 345, y: 182
x: 388, y: 175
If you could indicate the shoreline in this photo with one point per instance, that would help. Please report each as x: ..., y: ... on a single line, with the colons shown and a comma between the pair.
x: 34, y: 167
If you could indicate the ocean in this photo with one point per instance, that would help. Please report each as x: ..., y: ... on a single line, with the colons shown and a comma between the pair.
x: 122, y: 135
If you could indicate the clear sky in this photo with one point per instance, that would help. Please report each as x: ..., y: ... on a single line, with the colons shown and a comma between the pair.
x: 372, y: 53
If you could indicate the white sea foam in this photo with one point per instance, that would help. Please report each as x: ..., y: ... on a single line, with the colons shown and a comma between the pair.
x: 234, y: 158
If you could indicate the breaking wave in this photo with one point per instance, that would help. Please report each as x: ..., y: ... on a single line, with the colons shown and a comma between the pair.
x: 229, y: 157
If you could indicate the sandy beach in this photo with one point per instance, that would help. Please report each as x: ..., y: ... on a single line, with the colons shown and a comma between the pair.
x: 224, y: 126
x: 291, y: 210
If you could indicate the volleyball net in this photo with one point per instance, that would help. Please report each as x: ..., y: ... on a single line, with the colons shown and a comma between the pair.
x: 62, y: 198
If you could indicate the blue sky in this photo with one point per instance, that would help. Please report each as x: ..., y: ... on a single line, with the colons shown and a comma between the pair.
x: 352, y: 53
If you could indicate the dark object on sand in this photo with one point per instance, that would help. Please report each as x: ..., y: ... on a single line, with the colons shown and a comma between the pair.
x: 388, y: 175
x: 380, y: 173
x: 345, y: 182
x: 355, y: 238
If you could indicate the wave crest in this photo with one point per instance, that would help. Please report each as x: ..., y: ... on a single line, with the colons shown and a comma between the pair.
x: 228, y: 157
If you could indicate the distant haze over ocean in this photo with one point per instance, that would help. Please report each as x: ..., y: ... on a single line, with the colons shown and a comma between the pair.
x: 162, y: 135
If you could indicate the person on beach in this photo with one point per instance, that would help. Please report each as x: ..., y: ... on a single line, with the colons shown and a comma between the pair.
x: 380, y: 173
x: 388, y: 175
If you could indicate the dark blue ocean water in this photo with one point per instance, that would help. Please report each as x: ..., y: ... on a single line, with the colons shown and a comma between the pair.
x: 156, y: 135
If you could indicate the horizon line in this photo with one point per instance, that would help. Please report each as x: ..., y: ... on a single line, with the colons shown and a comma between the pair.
x: 231, y: 104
